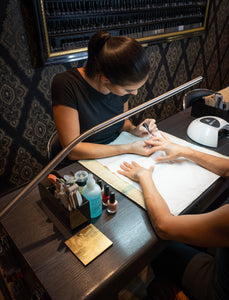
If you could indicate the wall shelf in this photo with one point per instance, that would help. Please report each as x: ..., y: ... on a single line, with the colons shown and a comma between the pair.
x: 65, y: 27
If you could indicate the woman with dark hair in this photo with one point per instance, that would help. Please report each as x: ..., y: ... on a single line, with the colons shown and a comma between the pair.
x: 85, y: 97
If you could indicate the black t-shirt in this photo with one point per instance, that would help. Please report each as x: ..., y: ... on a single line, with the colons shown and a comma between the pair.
x: 70, y: 89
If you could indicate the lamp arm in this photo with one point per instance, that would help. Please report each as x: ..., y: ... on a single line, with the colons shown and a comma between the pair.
x: 62, y: 154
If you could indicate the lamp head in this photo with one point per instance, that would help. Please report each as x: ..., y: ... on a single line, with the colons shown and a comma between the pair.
x: 205, y: 130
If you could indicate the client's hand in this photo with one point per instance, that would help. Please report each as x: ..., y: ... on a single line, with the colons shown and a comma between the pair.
x: 163, y: 143
x: 133, y: 171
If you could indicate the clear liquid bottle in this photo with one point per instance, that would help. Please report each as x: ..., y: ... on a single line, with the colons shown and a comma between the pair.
x: 92, y: 192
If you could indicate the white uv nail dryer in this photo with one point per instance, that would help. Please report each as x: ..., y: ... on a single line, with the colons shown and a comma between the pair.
x: 205, y: 130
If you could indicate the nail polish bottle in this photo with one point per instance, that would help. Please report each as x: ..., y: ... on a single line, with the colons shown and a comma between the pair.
x: 106, y: 195
x: 112, y: 204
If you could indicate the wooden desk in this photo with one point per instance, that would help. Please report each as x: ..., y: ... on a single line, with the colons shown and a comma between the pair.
x: 41, y: 243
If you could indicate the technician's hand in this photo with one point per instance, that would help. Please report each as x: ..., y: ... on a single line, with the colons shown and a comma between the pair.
x: 133, y: 171
x: 141, y: 131
x: 171, y: 149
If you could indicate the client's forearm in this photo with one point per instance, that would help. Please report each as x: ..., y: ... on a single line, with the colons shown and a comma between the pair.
x: 215, y: 164
x: 156, y: 206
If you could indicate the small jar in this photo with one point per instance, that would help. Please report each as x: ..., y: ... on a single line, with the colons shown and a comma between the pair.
x: 112, y: 204
x: 81, y: 179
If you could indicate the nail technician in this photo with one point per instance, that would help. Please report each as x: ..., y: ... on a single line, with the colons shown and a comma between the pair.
x: 85, y: 97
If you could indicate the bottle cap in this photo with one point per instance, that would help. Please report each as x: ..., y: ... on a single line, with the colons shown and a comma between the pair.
x: 106, y: 190
x: 81, y: 177
x: 100, y: 183
x: 112, y: 197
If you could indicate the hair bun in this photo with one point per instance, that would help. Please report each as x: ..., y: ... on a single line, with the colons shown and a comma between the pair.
x: 106, y: 38
x: 103, y: 37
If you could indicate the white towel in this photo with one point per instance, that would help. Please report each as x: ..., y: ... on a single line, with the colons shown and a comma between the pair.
x: 179, y: 182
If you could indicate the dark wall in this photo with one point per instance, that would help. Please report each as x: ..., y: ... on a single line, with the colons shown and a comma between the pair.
x: 25, y: 100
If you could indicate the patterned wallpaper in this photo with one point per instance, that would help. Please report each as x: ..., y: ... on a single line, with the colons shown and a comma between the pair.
x: 25, y: 100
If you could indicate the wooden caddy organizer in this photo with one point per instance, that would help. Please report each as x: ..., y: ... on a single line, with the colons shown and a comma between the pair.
x: 70, y: 219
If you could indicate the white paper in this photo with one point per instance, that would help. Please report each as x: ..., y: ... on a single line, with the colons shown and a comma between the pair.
x: 179, y: 182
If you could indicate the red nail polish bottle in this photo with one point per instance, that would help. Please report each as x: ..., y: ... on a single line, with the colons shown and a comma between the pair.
x: 106, y: 195
x: 112, y: 204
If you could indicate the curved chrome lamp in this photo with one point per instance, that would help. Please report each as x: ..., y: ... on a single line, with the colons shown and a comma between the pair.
x: 92, y: 131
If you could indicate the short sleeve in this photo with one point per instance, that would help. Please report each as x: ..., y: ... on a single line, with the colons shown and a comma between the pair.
x: 63, y: 92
